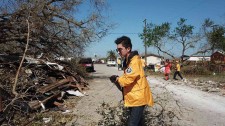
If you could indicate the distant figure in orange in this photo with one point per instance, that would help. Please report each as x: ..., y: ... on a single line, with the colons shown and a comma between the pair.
x: 167, y: 69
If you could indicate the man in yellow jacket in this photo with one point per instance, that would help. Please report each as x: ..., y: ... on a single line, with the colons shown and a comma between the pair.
x: 135, y: 87
x: 177, y: 72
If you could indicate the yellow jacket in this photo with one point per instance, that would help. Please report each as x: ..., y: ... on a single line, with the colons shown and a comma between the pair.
x: 136, y: 89
x: 118, y: 61
x: 178, y: 67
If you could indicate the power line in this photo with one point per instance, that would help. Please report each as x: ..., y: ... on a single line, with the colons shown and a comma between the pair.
x: 122, y: 33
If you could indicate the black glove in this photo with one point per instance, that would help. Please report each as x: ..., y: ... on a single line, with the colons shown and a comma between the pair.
x: 113, y: 78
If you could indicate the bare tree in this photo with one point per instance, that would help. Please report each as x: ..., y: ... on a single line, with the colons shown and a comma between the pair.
x: 183, y: 34
x: 213, y: 35
x: 160, y: 36
x: 56, y: 26
x: 155, y: 35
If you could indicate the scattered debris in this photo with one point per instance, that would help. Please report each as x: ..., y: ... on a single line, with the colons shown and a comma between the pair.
x: 204, y: 85
x: 41, y: 84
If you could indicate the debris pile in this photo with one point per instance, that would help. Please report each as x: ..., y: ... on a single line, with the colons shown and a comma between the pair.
x: 40, y: 84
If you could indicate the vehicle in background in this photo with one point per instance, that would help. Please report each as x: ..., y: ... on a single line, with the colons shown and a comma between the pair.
x: 111, y: 62
x: 87, y: 63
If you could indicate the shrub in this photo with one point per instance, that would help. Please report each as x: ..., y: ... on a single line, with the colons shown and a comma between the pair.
x: 197, y: 70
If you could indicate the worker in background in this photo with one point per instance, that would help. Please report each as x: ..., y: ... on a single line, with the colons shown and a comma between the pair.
x: 119, y: 63
x: 144, y: 65
x: 177, y: 72
x: 167, y: 69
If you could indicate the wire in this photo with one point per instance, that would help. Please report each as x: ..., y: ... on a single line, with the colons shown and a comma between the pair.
x: 123, y: 33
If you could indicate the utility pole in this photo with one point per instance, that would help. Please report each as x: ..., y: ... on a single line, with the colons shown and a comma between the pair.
x: 145, y: 41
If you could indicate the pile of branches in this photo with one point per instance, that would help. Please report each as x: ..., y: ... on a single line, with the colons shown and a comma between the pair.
x: 39, y: 84
x: 165, y: 112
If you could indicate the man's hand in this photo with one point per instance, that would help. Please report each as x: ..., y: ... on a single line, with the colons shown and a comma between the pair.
x: 113, y: 78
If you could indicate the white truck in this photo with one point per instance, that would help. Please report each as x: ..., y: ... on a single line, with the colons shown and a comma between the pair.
x: 111, y: 62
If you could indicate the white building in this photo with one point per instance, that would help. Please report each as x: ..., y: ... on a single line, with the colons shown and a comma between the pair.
x: 199, y: 58
x: 153, y: 61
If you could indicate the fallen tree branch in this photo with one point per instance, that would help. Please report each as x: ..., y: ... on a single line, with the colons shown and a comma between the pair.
x: 21, y: 62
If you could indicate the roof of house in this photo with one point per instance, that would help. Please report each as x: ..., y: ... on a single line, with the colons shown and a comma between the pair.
x: 199, y: 56
x: 221, y: 52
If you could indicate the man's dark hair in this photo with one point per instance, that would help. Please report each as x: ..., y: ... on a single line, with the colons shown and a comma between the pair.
x: 125, y: 41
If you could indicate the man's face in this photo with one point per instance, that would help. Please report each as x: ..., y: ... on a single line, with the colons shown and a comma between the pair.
x: 122, y: 50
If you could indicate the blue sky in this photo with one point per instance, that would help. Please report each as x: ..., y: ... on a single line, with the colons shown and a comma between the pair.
x: 128, y: 15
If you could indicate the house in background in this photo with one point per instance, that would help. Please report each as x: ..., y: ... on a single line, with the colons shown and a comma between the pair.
x: 218, y: 57
x: 199, y: 58
x: 153, y: 61
x: 218, y: 61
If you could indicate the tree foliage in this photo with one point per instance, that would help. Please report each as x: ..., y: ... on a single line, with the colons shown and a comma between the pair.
x: 215, y: 35
x: 56, y: 26
x: 153, y: 34
x: 217, y: 39
x: 160, y: 35
x: 111, y: 54
x: 183, y: 34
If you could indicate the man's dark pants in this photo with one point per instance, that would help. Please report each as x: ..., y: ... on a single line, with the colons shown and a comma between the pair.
x: 177, y: 73
x: 136, y: 116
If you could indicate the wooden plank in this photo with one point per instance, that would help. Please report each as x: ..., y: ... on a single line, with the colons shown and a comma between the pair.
x: 37, y: 104
x: 49, y: 87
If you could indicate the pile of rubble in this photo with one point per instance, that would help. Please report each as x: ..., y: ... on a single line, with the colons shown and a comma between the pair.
x: 40, y: 84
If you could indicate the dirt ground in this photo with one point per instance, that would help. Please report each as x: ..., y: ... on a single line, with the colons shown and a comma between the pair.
x: 101, y: 90
x: 198, y: 108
